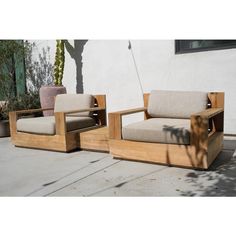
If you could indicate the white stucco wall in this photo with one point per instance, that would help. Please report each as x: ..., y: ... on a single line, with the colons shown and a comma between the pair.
x: 108, y: 68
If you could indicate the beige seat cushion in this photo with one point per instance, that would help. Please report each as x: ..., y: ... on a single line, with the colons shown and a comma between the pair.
x: 159, y: 130
x: 46, y: 125
x: 176, y: 104
x: 69, y: 102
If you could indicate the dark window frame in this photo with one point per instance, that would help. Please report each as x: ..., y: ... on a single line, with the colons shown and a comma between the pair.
x: 179, y: 50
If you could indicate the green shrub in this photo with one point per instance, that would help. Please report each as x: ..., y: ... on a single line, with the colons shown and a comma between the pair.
x: 21, y: 102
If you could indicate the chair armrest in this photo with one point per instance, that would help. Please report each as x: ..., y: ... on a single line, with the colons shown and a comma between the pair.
x: 129, y: 111
x: 14, y: 114
x: 200, y: 124
x: 115, y: 121
x: 60, y: 118
x: 209, y: 113
x: 31, y: 110
x: 83, y: 110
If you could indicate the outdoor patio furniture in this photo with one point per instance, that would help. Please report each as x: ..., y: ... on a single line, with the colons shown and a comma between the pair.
x: 180, y: 128
x: 73, y: 114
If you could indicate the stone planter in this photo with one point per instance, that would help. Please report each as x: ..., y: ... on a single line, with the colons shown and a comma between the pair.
x: 47, y: 97
x: 4, y: 128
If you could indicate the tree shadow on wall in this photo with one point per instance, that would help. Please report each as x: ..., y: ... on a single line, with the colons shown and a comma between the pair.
x: 76, y: 53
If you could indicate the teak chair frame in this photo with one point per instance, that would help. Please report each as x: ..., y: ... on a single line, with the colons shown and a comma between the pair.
x: 204, y: 145
x: 63, y: 140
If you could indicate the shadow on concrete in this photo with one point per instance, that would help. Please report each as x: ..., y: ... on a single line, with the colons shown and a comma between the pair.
x: 222, y: 174
x: 76, y: 54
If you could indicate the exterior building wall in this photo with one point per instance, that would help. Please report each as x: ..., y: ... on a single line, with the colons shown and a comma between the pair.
x: 108, y: 68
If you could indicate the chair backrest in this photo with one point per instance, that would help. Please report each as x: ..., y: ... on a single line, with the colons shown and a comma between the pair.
x: 176, y: 104
x: 69, y: 102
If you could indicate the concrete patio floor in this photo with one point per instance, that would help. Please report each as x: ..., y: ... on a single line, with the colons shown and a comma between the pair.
x: 29, y: 172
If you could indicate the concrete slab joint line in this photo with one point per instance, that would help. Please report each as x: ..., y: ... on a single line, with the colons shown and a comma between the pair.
x: 80, y: 179
x: 75, y: 176
x: 53, y: 182
x: 126, y: 182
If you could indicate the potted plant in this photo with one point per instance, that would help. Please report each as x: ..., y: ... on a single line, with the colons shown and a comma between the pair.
x: 48, y: 93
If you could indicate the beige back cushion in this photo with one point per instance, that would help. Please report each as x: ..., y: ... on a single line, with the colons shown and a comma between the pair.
x: 70, y: 102
x: 176, y: 104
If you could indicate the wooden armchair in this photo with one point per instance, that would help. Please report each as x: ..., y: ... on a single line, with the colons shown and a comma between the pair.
x: 179, y: 128
x: 73, y: 114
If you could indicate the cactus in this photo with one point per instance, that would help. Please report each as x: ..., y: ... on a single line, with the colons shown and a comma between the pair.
x: 59, y: 62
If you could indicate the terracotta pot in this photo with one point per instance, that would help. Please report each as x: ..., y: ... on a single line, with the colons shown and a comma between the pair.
x: 4, y: 128
x: 47, y: 97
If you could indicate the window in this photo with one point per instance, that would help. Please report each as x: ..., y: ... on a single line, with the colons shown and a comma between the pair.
x: 187, y: 46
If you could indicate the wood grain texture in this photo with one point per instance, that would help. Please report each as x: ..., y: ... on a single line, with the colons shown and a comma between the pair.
x: 216, y: 99
x: 12, y: 122
x: 170, y: 154
x: 48, y: 142
x: 115, y: 126
x: 60, y: 120
x: 62, y: 141
x: 199, y: 134
x: 33, y: 110
x: 96, y: 139
x: 215, y: 145
x: 115, y: 121
x: 145, y: 100
x: 83, y: 110
x: 100, y: 101
x: 130, y: 111
x: 208, y: 113
x: 203, y: 149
